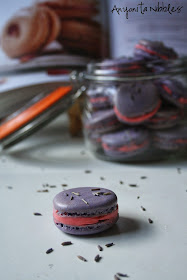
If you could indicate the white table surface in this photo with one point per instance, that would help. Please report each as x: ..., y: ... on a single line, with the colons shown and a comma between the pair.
x: 144, y: 251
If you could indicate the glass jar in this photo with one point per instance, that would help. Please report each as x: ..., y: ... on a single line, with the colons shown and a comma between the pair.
x: 136, y: 112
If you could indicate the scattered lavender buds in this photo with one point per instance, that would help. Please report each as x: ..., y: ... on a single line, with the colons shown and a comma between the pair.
x: 94, y: 190
x: 67, y: 243
x: 97, y: 258
x: 52, y: 186
x: 78, y: 194
x: 49, y: 251
x: 121, y: 182
x: 138, y: 197
x: 143, y: 208
x: 107, y: 193
x: 100, y: 248
x: 109, y: 245
x: 82, y: 258
x: 132, y: 185
x: 88, y: 171
x: 143, y: 177
x: 179, y: 170
x: 100, y: 193
x: 64, y: 185
x: 96, y: 194
x: 84, y: 201
x: 42, y: 191
x: 10, y: 187
x: 102, y: 178
x: 72, y: 198
x: 150, y: 221
x: 116, y: 277
x: 37, y: 214
x: 122, y: 275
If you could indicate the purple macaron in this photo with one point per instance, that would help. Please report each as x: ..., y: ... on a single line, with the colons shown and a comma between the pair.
x: 137, y: 102
x: 130, y: 66
x: 174, y: 91
x: 168, y: 116
x: 171, y: 139
x: 82, y: 211
x: 126, y: 143
x: 102, y: 121
x: 154, y: 50
x: 101, y: 96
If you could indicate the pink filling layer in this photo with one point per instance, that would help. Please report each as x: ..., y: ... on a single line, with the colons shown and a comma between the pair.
x: 181, y: 141
x: 132, y: 147
x: 167, y: 89
x: 98, y: 99
x: 183, y: 100
x: 137, y: 119
x: 151, y: 52
x: 83, y: 221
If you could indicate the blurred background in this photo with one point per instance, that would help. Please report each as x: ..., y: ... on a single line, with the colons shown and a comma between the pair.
x: 124, y: 33
x: 171, y: 29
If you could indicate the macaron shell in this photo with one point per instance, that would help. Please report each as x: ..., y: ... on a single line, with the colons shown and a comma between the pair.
x: 74, y: 12
x: 53, y: 25
x: 128, y: 65
x: 154, y: 50
x: 126, y: 143
x: 173, y: 91
x: 81, y: 37
x: 165, y: 118
x: 102, y: 121
x: 33, y: 31
x: 101, y: 96
x: 96, y: 204
x: 134, y: 103
x: 171, y: 139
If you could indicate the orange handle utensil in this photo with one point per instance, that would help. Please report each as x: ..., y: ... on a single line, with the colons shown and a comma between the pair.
x: 30, y: 113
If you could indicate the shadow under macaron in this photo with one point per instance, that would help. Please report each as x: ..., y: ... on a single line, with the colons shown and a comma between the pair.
x: 130, y: 229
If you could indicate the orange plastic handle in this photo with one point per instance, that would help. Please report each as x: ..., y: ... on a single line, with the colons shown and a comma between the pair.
x: 33, y: 111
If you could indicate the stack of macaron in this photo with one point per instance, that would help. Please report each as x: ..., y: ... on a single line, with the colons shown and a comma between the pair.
x: 148, y: 114
x: 70, y: 22
x: 29, y: 31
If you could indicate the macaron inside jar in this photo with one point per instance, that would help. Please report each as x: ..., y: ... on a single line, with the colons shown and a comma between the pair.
x: 136, y: 102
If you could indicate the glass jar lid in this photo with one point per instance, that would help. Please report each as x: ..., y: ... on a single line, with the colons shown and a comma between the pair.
x: 44, y: 102
x: 121, y: 71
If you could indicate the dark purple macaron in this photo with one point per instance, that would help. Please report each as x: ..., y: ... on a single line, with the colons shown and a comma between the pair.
x: 126, y: 143
x: 102, y: 121
x: 154, y: 50
x: 168, y: 116
x: 171, y: 139
x: 137, y: 102
x: 124, y: 65
x: 82, y: 211
x: 101, y: 96
x: 174, y: 91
